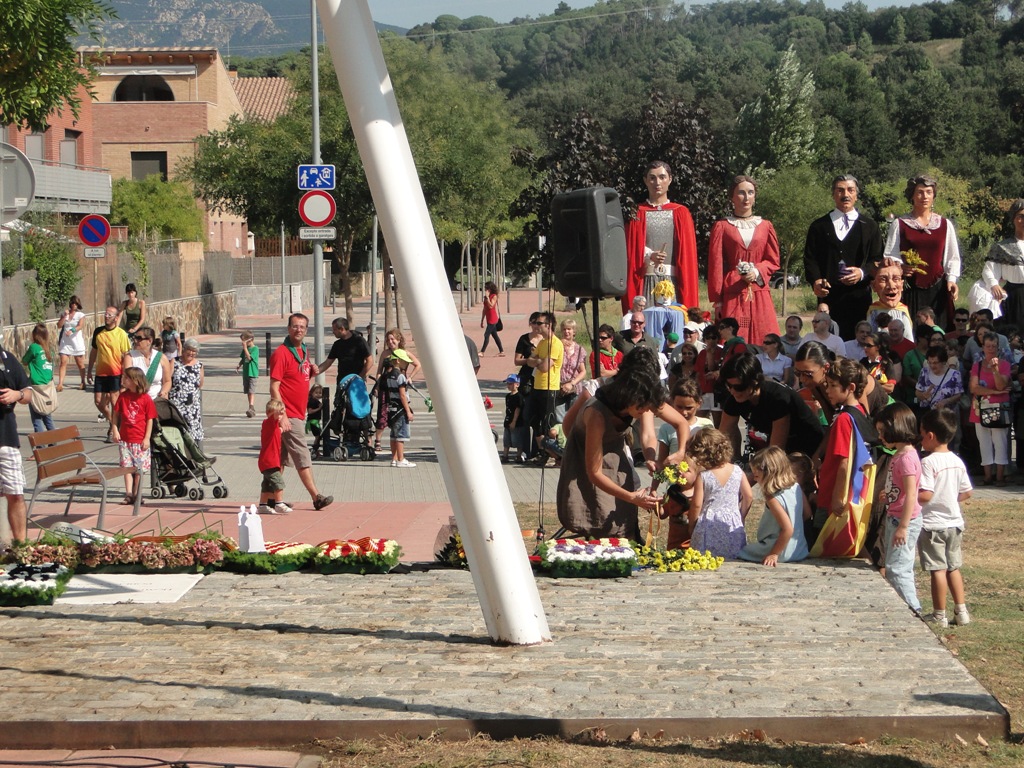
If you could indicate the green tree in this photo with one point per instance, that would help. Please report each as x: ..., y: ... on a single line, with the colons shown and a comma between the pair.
x: 52, y: 256
x: 39, y: 67
x: 776, y: 130
x: 156, y: 209
x: 790, y: 199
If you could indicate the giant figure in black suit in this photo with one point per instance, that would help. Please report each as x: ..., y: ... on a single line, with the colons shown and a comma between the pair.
x: 842, y: 248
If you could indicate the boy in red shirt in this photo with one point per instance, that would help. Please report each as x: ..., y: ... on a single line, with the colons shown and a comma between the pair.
x: 272, y: 487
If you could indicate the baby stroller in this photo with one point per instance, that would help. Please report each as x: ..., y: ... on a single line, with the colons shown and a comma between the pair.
x: 176, y: 459
x: 351, y: 421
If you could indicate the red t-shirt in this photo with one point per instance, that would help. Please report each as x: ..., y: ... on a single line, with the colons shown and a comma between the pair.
x: 901, y: 348
x: 136, y: 409
x: 270, y: 444
x: 836, y: 449
x: 294, y: 377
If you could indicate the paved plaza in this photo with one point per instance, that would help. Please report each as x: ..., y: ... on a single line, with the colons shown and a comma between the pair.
x: 819, y: 651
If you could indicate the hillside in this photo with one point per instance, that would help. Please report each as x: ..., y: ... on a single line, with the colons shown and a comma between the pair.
x: 237, y: 28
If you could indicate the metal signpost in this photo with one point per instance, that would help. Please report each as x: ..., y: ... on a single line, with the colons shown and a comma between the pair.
x: 94, y: 231
x: 17, y: 190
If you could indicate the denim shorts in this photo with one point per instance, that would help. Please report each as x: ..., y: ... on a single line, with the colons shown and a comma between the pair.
x: 400, y: 427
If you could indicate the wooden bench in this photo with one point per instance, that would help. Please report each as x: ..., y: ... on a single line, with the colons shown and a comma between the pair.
x: 61, y: 462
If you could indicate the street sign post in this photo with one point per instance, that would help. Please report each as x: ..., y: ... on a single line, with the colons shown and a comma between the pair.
x: 94, y: 231
x: 316, y: 177
x: 317, y: 208
x: 17, y: 190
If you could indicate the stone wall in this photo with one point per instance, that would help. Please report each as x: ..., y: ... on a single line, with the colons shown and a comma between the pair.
x: 266, y: 299
x: 194, y: 315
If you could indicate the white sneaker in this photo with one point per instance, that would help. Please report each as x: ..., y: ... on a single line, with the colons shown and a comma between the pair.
x: 961, y: 617
x: 281, y: 508
x: 937, y: 619
x: 522, y: 458
x: 402, y: 463
x: 394, y: 463
x: 266, y: 509
x: 100, y: 417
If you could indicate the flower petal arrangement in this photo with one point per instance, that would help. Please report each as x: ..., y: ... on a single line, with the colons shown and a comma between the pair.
x: 361, y: 556
x: 38, y: 584
x: 280, y: 557
x: 594, y: 559
x: 452, y: 553
x: 671, y: 474
x: 677, y: 560
x: 195, y: 554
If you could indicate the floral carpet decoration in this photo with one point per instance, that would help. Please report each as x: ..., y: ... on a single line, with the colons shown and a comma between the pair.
x: 362, y: 556
x: 452, y: 553
x: 197, y: 553
x: 677, y: 560
x: 38, y: 584
x: 280, y: 557
x: 594, y: 559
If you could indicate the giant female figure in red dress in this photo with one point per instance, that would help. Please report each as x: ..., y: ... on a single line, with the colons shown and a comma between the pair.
x: 660, y: 243
x: 742, y: 256
x: 934, y: 240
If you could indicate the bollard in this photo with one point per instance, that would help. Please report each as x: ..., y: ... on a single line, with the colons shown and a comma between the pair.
x: 268, y: 353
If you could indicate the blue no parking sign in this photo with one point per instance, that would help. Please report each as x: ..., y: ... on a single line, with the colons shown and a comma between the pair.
x: 94, y: 230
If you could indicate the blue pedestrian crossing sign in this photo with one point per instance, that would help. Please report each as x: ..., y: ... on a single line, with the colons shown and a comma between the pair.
x: 316, y: 177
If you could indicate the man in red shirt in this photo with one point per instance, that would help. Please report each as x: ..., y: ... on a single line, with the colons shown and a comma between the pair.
x: 290, y: 369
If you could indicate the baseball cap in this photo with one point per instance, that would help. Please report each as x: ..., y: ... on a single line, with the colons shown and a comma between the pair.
x: 512, y: 378
x: 691, y: 327
x: 401, y: 354
x: 672, y: 337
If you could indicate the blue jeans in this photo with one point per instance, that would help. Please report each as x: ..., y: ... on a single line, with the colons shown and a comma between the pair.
x: 41, y: 422
x: 899, y: 561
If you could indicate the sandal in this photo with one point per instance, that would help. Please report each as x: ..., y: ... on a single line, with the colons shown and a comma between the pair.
x: 376, y: 446
x: 128, y: 500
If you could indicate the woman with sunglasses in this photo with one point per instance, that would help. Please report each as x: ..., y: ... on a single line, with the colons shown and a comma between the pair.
x: 812, y: 362
x: 608, y: 357
x: 774, y: 364
x: 880, y: 364
x: 774, y: 413
x: 151, y: 360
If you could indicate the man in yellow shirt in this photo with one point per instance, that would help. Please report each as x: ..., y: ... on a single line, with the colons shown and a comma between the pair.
x: 547, y: 378
x: 109, y: 345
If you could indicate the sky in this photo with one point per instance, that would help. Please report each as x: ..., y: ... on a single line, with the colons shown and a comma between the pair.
x: 409, y: 13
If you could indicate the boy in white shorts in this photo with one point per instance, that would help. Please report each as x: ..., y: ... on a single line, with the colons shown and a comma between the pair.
x: 944, y: 484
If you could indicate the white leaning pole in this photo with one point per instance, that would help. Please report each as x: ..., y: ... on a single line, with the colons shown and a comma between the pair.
x: 483, y: 507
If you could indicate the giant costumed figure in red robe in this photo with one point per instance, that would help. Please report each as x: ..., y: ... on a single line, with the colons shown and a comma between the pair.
x: 661, y: 243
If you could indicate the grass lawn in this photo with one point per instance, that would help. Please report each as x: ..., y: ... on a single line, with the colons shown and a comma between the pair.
x: 990, y: 647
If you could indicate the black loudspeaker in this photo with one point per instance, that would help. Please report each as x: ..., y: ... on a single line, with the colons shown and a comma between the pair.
x: 589, y: 242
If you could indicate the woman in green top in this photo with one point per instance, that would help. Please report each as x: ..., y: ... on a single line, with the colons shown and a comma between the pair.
x: 40, y: 371
x: 133, y: 311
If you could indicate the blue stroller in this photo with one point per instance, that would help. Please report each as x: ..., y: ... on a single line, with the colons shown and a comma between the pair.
x: 351, y: 422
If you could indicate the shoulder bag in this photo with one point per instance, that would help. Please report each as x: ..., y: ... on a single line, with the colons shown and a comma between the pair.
x: 44, y: 398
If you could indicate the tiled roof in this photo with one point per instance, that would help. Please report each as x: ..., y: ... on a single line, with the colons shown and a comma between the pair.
x: 263, y: 98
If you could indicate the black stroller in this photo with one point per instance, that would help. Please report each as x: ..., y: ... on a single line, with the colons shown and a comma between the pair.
x: 177, y: 461
x: 351, y: 422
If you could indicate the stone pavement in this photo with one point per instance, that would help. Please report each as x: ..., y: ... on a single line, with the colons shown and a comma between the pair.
x: 817, y: 651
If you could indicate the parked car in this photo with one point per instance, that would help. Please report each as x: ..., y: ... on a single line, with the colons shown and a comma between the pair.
x: 775, y: 281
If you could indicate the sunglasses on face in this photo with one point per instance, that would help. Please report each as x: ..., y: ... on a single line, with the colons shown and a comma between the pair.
x: 603, y: 338
x: 737, y: 387
x: 768, y: 342
x: 636, y: 322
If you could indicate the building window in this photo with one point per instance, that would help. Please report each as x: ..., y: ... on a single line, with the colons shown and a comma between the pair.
x: 69, y: 148
x: 143, y: 88
x: 35, y: 147
x: 148, y: 164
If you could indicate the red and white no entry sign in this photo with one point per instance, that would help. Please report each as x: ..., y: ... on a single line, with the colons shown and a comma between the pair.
x: 317, y: 208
